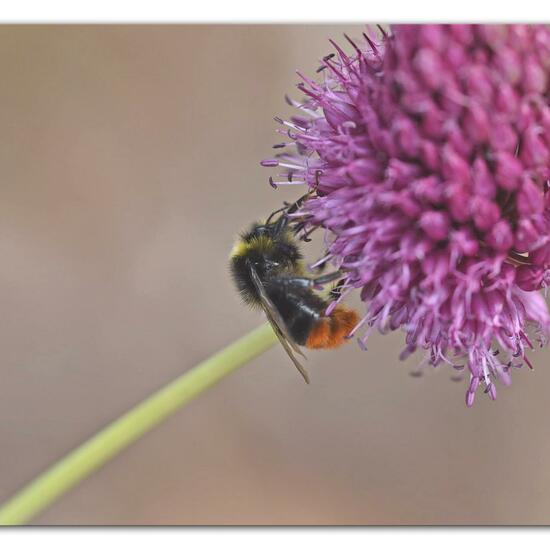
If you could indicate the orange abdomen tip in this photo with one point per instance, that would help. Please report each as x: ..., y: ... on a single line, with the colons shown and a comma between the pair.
x: 330, y: 332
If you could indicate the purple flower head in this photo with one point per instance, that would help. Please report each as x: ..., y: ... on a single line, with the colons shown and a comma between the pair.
x: 429, y: 150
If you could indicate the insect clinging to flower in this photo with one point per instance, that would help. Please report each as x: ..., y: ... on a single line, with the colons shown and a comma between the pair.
x: 268, y: 269
x: 429, y: 148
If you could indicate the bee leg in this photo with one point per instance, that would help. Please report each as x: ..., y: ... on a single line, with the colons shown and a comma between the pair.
x: 301, y: 225
x: 328, y: 278
x: 284, y: 219
x: 318, y: 281
x: 281, y: 224
x: 285, y: 207
x: 297, y: 205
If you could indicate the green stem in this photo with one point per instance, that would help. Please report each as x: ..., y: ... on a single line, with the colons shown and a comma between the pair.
x: 91, y: 455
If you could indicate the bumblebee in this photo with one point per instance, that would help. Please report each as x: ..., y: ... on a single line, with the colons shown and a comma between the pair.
x: 269, y: 273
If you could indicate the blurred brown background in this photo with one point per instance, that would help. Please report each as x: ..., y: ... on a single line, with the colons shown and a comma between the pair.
x: 129, y: 160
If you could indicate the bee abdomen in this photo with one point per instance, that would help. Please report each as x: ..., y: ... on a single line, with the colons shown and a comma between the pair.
x: 331, y: 331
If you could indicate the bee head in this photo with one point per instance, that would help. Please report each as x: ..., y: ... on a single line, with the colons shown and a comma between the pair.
x: 267, y: 249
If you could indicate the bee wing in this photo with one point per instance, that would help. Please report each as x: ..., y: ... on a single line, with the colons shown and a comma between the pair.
x: 273, y: 313
x: 278, y: 324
